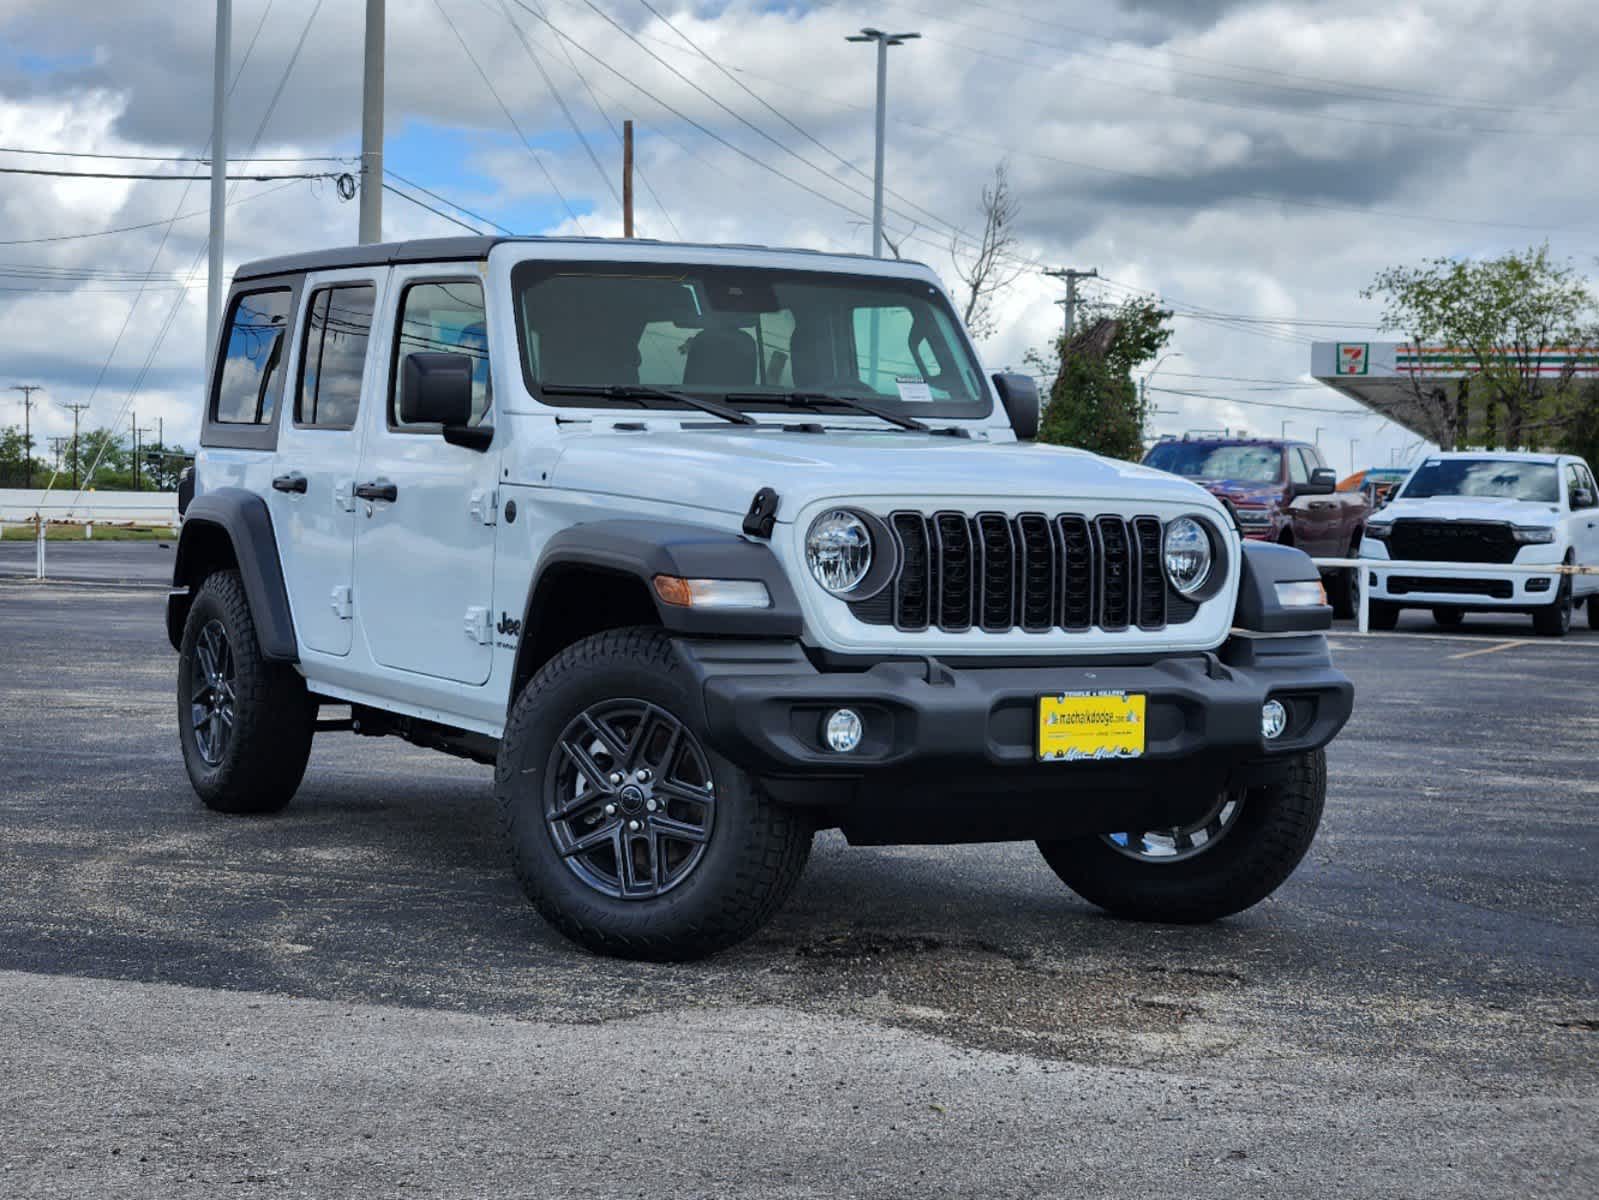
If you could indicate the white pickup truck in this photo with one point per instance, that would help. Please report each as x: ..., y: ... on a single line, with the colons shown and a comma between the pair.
x: 1481, y: 510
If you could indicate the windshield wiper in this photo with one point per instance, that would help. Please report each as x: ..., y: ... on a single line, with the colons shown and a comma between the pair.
x: 641, y: 391
x: 812, y: 399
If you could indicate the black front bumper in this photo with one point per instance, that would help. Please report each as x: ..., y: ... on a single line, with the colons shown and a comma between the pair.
x: 950, y: 745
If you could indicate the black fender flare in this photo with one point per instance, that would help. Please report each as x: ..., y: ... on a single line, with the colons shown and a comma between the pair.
x: 243, y: 517
x: 1265, y: 565
x: 644, y: 549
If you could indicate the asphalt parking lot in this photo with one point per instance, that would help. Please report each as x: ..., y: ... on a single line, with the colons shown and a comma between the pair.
x: 353, y: 999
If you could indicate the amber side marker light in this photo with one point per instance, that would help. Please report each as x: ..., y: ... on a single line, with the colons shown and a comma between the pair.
x: 712, y: 593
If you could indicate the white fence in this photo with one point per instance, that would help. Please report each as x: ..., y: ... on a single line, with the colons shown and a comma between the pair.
x: 18, y: 505
x: 1442, y: 570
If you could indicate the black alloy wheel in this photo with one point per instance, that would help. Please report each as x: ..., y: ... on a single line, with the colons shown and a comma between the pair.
x: 629, y: 799
x: 212, y: 693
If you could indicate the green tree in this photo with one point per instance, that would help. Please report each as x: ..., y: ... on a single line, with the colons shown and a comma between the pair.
x: 1093, y: 401
x: 14, y: 459
x: 105, y: 447
x: 1500, y: 315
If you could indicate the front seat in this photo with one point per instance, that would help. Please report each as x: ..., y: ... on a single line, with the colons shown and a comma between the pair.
x: 726, y: 358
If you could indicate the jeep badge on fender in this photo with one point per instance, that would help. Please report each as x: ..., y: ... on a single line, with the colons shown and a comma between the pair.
x: 922, y: 629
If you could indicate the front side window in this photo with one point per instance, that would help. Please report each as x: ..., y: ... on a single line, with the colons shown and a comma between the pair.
x: 1579, y: 481
x: 1298, y: 468
x: 748, y: 335
x: 246, y: 391
x: 1495, y: 478
x: 333, y: 356
x: 444, y: 317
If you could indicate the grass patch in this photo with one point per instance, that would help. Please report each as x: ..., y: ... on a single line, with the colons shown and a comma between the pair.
x: 68, y: 532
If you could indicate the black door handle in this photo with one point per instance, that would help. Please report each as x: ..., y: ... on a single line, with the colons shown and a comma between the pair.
x: 292, y: 482
x: 377, y: 489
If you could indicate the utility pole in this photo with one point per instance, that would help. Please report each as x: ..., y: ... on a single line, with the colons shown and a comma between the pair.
x: 884, y: 41
x: 1071, y: 275
x: 215, y: 285
x: 76, y: 409
x: 27, y: 390
x: 57, y: 444
x: 137, y: 452
x: 1353, y: 442
x: 372, y: 127
x: 627, y: 179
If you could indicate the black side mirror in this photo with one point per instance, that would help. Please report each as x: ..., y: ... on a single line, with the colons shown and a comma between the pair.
x: 1323, y: 482
x: 1019, y: 395
x: 436, y: 389
x: 1581, y: 498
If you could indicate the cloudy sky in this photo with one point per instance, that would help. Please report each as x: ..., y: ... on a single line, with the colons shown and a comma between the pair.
x: 1252, y: 164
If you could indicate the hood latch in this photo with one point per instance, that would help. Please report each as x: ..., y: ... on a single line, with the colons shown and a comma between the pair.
x: 762, y: 516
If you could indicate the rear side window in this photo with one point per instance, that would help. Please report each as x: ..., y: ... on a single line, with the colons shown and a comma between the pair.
x: 333, y: 357
x: 444, y: 317
x: 246, y: 390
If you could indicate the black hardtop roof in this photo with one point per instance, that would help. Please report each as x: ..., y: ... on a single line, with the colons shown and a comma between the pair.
x: 469, y: 249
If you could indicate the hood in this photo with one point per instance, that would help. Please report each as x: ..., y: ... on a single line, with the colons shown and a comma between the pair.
x: 1241, y: 491
x: 722, y: 469
x: 1472, y: 508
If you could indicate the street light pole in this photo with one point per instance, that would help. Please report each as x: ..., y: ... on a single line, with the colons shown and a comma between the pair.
x: 372, y: 127
x: 1284, y: 435
x: 884, y: 41
x: 215, y: 285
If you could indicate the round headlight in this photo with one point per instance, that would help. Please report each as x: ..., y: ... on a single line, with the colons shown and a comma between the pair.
x: 1188, y: 555
x: 838, y: 550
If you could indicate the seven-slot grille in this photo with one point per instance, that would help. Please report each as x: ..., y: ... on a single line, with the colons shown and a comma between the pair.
x: 1033, y: 572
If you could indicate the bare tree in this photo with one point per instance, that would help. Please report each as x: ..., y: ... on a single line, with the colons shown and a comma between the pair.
x: 992, y: 266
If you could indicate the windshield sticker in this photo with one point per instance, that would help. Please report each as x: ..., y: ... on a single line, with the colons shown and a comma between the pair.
x: 913, y: 389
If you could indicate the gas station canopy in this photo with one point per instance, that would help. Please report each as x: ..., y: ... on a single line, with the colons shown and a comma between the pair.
x: 1389, y: 377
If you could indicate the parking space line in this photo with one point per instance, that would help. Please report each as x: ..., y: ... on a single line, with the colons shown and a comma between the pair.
x: 1489, y: 649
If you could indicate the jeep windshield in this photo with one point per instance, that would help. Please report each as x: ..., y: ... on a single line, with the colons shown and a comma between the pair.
x: 602, y: 334
x: 1236, y: 464
x: 1492, y: 478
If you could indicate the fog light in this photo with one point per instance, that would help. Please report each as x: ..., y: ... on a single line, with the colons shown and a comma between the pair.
x: 844, y: 730
x: 1273, y: 720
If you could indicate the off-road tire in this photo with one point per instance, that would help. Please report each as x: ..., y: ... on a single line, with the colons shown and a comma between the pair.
x: 1272, y: 832
x: 1343, y: 591
x: 274, y: 715
x: 1448, y: 618
x: 1382, y: 616
x: 752, y: 860
x: 1554, y: 620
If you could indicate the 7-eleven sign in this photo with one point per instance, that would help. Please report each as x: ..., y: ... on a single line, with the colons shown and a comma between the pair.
x: 1353, y: 358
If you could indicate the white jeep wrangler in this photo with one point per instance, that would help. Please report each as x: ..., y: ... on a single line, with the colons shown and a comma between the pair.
x: 707, y: 548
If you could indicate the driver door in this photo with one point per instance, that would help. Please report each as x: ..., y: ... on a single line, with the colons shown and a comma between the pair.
x: 424, y: 547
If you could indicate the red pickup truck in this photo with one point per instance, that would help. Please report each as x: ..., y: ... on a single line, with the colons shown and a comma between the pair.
x: 1282, y: 491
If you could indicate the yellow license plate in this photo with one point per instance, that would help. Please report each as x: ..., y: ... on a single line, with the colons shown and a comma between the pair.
x: 1084, y: 726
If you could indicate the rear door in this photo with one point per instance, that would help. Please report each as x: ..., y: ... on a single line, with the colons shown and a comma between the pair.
x: 333, y: 364
x: 1584, y: 525
x: 424, y: 545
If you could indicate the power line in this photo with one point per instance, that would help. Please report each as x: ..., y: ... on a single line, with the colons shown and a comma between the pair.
x: 444, y: 200
x: 1418, y: 93
x: 167, y: 178
x: 199, y: 212
x: 493, y: 91
x: 1309, y: 408
x: 388, y: 187
x: 555, y: 94
x: 616, y: 132
x: 172, y: 158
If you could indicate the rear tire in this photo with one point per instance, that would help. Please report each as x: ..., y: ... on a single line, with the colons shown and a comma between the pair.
x: 628, y: 834
x: 1448, y: 618
x: 1382, y: 615
x: 1248, y: 858
x: 245, y: 724
x: 1593, y: 612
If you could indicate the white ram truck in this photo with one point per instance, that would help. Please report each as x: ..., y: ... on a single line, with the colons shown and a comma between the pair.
x: 707, y: 548
x: 1479, y: 510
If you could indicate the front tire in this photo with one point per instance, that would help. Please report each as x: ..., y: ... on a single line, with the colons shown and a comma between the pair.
x: 1382, y: 616
x: 1232, y: 858
x: 626, y: 832
x: 1343, y: 591
x: 1593, y: 612
x: 1448, y: 618
x: 1554, y: 620
x: 245, y: 724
